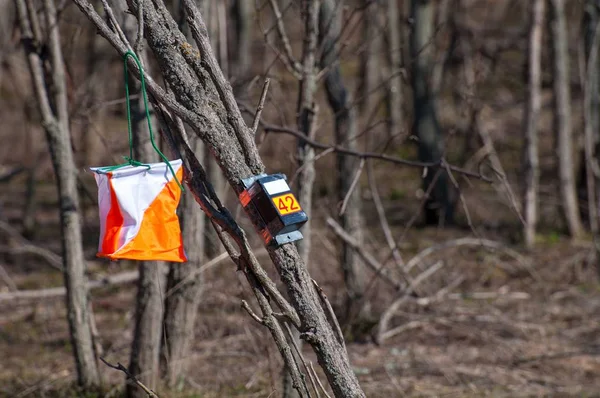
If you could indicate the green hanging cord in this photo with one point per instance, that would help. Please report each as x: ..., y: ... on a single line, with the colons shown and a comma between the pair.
x: 130, y: 159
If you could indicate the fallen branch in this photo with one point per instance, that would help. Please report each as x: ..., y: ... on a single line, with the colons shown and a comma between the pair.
x: 27, y: 247
x: 490, y: 244
x: 112, y: 280
x: 370, y: 261
x: 7, y: 279
x: 387, y: 315
x: 54, y: 292
x: 7, y: 175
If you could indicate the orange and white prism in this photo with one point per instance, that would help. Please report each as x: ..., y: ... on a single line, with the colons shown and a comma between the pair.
x: 138, y: 219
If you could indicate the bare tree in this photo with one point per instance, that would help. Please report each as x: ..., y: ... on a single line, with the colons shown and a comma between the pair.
x: 562, y: 115
x: 184, y: 283
x: 241, y: 13
x: 591, y: 84
x: 348, y: 192
x: 48, y: 79
x: 394, y: 53
x: 184, y: 289
x: 203, y: 99
x: 531, y: 151
x: 144, y: 360
x: 370, y: 57
x: 306, y: 111
x: 216, y: 35
x: 439, y: 206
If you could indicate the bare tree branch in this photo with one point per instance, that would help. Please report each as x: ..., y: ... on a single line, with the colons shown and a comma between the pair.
x: 131, y: 377
x: 370, y: 155
x: 261, y: 105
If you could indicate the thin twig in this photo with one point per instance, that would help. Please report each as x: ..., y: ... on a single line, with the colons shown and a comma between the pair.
x: 139, y: 42
x: 371, y: 155
x: 252, y: 314
x: 289, y: 56
x: 115, y: 24
x: 299, y: 353
x: 131, y: 377
x: 331, y: 314
x: 385, y: 226
x: 352, y: 185
x: 312, y: 368
x: 463, y: 201
x: 261, y: 105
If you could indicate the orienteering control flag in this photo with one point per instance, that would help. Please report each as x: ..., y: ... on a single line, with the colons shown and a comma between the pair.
x: 138, y: 219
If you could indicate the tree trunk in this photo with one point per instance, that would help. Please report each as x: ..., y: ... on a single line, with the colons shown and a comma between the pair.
x: 531, y: 154
x: 305, y: 153
x: 306, y: 114
x: 243, y: 39
x: 215, y: 175
x: 562, y: 115
x: 145, y: 348
x: 330, y: 27
x: 204, y: 100
x: 184, y: 289
x: 144, y: 362
x: 370, y: 66
x: 394, y: 53
x: 439, y: 206
x: 50, y: 89
x: 591, y: 84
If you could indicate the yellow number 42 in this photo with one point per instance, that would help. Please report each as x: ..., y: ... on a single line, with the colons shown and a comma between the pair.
x: 286, y: 204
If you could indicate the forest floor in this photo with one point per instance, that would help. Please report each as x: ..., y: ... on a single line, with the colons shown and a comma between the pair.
x: 501, y: 323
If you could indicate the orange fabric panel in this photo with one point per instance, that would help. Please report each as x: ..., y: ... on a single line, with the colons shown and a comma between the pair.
x: 159, y: 237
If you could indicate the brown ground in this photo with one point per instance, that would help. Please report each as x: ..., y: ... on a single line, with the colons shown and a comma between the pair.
x: 537, y: 337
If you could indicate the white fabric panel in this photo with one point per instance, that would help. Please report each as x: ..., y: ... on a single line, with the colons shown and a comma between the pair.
x: 103, y: 203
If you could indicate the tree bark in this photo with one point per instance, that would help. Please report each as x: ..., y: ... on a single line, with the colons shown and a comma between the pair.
x: 144, y: 361
x: 394, y: 53
x: 562, y: 115
x: 215, y: 175
x: 243, y: 38
x: 183, y: 289
x: 203, y: 99
x: 50, y: 90
x: 145, y: 348
x: 330, y: 27
x: 370, y: 67
x: 531, y: 154
x: 306, y: 113
x: 439, y: 206
x: 591, y: 83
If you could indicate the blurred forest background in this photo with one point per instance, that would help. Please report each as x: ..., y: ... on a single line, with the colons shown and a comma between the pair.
x: 450, y: 175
